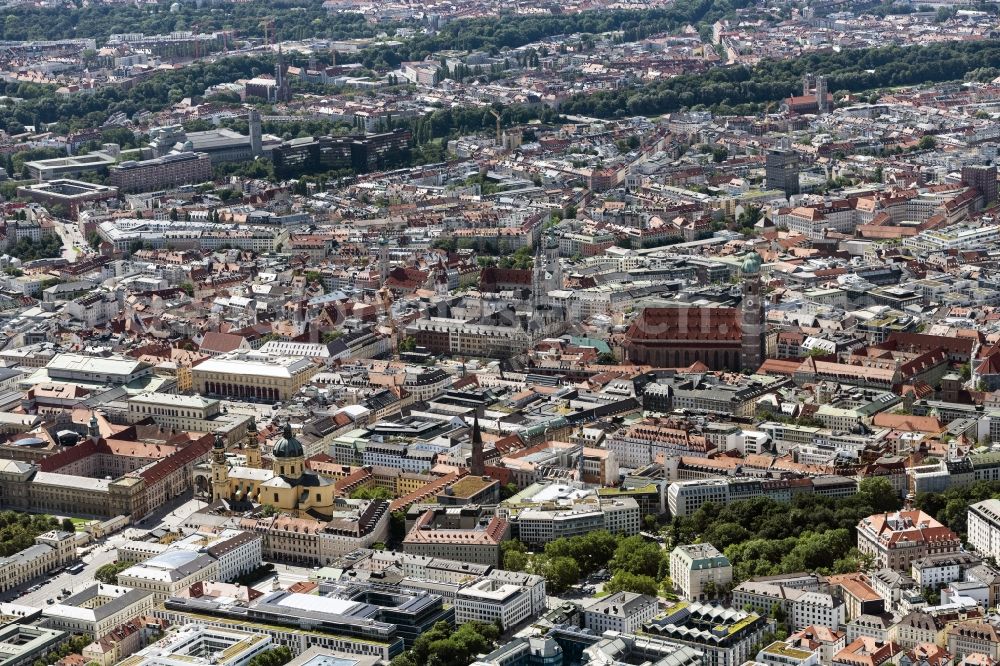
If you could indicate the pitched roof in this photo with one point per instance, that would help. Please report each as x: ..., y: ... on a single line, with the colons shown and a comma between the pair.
x: 686, y: 323
x: 221, y: 342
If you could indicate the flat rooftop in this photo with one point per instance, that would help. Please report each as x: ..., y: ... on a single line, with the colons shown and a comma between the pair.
x: 90, y: 160
x: 65, y: 188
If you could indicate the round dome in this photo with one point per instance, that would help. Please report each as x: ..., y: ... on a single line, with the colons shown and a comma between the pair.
x: 288, y: 446
x: 751, y: 263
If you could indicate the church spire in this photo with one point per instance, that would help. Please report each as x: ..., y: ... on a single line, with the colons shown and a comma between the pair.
x: 478, y: 466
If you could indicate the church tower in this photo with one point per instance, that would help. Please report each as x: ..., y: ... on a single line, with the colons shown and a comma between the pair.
x: 252, y: 446
x: 282, y: 91
x: 383, y: 259
x: 220, y: 469
x: 289, y: 458
x: 255, y: 132
x: 93, y: 428
x: 752, y: 315
x: 478, y: 465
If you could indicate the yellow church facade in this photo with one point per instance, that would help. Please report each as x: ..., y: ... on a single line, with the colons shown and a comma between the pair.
x: 288, y: 486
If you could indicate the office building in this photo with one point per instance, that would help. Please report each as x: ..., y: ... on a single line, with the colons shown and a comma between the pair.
x: 70, y: 166
x: 22, y: 644
x: 802, y: 607
x: 97, y: 609
x: 686, y: 497
x: 195, y: 643
x: 161, y: 173
x: 897, y: 539
x: 491, y: 600
x: 65, y: 197
x: 165, y: 575
x: 624, y: 612
x: 458, y: 533
x: 725, y: 636
x: 360, y: 618
x: 332, y: 153
x: 783, y: 653
x: 984, y: 527
x: 700, y: 571
x: 781, y: 171
x: 51, y: 550
x: 984, y: 179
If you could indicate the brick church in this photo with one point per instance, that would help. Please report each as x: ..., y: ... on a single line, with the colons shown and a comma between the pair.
x: 720, y: 338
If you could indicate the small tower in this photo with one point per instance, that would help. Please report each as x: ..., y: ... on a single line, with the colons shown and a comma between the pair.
x: 752, y: 315
x: 289, y: 458
x: 220, y: 469
x: 255, y: 133
x: 478, y: 464
x: 821, y: 94
x: 282, y: 92
x: 383, y: 259
x: 537, y: 279
x: 93, y: 429
x: 252, y: 446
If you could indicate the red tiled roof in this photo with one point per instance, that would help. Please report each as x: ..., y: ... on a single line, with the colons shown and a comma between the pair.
x: 221, y: 342
x: 688, y: 323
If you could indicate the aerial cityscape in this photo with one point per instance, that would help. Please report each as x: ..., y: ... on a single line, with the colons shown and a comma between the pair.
x: 483, y: 333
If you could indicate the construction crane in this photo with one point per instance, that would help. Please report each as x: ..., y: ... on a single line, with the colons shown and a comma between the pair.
x: 497, y: 116
x: 268, y: 25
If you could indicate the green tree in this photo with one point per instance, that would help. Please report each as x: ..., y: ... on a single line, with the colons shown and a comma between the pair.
x: 623, y: 581
x: 637, y: 556
x: 444, y: 646
x: 278, y: 656
x: 397, y: 526
x: 559, y: 572
x: 375, y: 492
x: 591, y: 551
x: 515, y: 560
x: 109, y: 572
x: 18, y: 530
x: 26, y: 249
x: 878, y: 492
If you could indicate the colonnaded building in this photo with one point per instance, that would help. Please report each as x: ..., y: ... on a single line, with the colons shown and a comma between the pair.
x: 102, y: 476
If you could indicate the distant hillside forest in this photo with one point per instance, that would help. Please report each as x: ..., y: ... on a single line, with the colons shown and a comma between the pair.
x: 753, y: 89
x: 298, y: 20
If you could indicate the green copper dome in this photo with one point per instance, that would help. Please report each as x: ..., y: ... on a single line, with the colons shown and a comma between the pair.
x: 752, y: 263
x: 288, y: 446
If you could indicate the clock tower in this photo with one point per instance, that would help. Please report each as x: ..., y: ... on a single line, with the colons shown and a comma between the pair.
x: 752, y: 315
x: 220, y: 469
